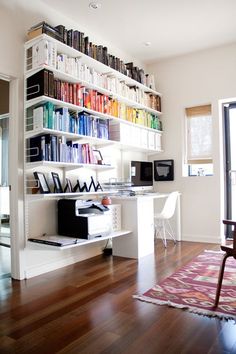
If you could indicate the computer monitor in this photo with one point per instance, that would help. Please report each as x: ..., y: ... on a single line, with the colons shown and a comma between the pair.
x: 142, y: 175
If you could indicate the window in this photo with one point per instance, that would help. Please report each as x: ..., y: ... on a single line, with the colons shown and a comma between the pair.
x: 198, y: 154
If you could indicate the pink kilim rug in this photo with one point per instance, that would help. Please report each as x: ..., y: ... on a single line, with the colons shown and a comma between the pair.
x: 193, y: 287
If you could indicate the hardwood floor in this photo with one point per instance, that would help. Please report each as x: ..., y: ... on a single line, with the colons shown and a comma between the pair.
x: 88, y: 308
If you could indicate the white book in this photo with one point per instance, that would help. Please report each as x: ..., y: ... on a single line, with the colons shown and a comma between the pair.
x: 38, y: 118
x: 52, y: 54
x: 40, y: 53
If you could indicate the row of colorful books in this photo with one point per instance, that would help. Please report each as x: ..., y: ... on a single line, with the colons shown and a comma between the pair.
x: 79, y: 41
x: 44, y: 52
x: 56, y: 149
x: 63, y: 119
x: 43, y: 83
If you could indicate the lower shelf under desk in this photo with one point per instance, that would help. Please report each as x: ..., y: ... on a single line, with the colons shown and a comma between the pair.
x: 80, y: 242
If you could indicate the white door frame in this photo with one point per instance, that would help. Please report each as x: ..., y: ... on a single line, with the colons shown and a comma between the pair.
x: 15, y: 181
x: 222, y: 162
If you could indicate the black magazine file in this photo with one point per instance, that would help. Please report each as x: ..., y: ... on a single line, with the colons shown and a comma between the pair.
x: 164, y: 170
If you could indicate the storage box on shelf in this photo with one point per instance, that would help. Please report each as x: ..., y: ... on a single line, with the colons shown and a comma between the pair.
x: 130, y: 135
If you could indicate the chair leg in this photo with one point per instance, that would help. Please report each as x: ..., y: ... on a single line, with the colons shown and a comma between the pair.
x: 220, y: 278
x: 164, y: 233
x: 171, y: 232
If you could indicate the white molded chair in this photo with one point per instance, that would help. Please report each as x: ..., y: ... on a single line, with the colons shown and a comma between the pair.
x: 161, y: 220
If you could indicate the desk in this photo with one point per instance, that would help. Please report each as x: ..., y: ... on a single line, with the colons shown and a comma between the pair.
x: 138, y: 215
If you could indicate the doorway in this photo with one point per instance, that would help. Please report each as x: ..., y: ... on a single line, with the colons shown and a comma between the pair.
x: 230, y: 163
x: 5, y: 240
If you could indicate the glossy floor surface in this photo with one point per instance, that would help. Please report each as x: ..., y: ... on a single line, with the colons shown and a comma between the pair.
x: 88, y: 308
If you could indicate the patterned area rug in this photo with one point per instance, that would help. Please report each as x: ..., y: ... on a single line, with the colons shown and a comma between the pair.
x: 193, y: 287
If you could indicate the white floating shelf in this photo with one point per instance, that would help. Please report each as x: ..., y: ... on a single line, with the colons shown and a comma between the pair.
x: 70, y: 165
x: 81, y: 242
x: 42, y: 196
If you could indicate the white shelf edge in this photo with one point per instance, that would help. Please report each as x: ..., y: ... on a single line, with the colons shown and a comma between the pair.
x: 64, y: 48
x: 31, y: 165
x: 82, y: 243
x: 67, y: 77
x: 43, y: 99
x: 94, y: 140
x: 36, y: 197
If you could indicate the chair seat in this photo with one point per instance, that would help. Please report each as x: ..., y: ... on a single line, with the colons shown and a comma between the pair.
x: 230, y: 251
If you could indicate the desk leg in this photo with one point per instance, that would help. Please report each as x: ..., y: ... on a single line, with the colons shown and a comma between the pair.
x: 178, y: 220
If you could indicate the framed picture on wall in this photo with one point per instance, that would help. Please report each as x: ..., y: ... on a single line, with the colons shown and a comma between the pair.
x: 164, y: 170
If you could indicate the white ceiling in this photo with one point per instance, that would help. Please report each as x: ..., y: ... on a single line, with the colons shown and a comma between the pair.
x: 173, y: 27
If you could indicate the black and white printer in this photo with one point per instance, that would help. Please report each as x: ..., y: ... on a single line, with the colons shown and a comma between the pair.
x: 83, y: 219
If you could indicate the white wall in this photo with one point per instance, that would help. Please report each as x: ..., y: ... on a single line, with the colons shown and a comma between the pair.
x: 16, y: 17
x: 185, y: 81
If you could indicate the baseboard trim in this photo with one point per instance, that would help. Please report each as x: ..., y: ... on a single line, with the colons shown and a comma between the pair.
x: 48, y: 267
x: 202, y: 238
x: 198, y: 238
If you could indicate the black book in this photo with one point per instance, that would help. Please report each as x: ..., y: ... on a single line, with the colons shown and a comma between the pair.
x: 100, y: 53
x: 105, y: 57
x: 86, y: 45
x: 129, y: 66
x: 81, y: 42
x: 51, y: 84
x: 135, y: 73
x: 63, y: 33
x: 76, y: 40
x: 53, y: 142
x: 37, y: 84
x: 61, y: 29
x: 113, y: 65
x: 95, y: 51
x: 90, y: 49
x: 70, y: 37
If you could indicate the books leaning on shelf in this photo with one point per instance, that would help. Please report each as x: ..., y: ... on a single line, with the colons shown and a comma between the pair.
x: 49, y: 147
x: 55, y: 240
x: 64, y: 120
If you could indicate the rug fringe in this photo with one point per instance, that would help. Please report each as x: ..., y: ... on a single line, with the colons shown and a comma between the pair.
x: 196, y: 310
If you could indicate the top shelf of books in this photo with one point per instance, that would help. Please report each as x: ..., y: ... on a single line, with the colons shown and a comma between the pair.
x: 98, y: 66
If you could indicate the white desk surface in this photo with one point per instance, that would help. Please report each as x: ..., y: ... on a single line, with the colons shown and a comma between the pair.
x: 153, y: 195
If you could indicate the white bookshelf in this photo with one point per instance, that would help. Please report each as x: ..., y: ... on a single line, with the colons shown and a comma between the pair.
x: 122, y: 143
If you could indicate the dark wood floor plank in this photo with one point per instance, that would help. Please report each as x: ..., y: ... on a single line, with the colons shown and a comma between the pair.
x: 88, y: 308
